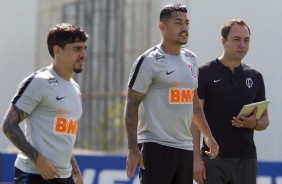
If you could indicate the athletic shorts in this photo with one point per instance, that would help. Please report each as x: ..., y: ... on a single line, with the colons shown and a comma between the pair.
x: 230, y: 170
x: 28, y: 178
x: 165, y: 165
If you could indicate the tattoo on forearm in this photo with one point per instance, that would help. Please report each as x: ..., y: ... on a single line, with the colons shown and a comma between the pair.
x: 12, y: 130
x: 75, y: 168
x: 131, y: 116
x: 131, y: 124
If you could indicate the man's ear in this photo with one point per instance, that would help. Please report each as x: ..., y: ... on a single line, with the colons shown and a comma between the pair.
x: 223, y: 41
x: 56, y: 50
x: 162, y: 26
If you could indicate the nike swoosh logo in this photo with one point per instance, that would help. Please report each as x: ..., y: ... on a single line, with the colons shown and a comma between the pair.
x: 217, y: 80
x: 168, y: 73
x: 60, y: 98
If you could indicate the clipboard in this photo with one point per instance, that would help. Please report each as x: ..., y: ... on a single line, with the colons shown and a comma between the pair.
x: 249, y: 108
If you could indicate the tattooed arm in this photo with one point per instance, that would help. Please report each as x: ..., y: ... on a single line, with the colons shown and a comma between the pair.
x: 10, y: 127
x: 134, y: 156
x: 76, y: 174
x: 134, y: 99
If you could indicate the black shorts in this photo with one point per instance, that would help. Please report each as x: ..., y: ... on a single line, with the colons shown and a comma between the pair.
x: 166, y: 165
x: 28, y: 178
x: 230, y: 170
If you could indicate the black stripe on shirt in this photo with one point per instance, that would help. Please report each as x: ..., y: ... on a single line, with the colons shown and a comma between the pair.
x: 25, y: 84
x: 133, y: 79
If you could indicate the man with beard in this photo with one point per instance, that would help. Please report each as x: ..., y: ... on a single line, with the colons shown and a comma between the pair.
x: 164, y: 78
x: 50, y: 102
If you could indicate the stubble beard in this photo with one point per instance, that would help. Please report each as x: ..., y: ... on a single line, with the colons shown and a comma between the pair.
x: 78, y: 69
x: 181, y: 43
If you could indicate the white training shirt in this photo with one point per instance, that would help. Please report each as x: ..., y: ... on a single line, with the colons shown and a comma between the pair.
x: 54, y: 107
x: 168, y: 83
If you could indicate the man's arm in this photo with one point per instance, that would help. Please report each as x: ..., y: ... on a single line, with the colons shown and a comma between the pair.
x: 11, y: 129
x: 200, y: 121
x: 76, y: 174
x: 199, y: 168
x: 134, y: 156
x: 263, y: 122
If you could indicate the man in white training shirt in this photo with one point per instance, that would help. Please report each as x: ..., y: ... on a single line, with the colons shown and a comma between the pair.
x: 50, y: 102
x: 164, y: 78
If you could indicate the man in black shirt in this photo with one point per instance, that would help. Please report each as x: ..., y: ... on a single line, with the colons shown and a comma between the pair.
x: 225, y: 86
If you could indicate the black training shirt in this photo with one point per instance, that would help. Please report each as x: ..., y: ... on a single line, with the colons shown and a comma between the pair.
x: 225, y: 93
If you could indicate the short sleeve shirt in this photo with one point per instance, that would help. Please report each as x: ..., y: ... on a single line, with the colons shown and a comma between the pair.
x: 169, y: 83
x: 54, y: 108
x: 225, y: 93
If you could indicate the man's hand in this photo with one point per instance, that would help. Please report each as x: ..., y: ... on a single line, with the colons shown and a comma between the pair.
x: 199, y: 171
x: 133, y: 158
x: 245, y: 122
x: 46, y: 168
x: 214, y: 148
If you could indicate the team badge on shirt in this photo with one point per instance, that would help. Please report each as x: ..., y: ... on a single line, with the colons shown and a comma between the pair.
x: 192, y: 70
x: 189, y: 55
x: 53, y: 81
x: 249, y: 82
x: 159, y: 57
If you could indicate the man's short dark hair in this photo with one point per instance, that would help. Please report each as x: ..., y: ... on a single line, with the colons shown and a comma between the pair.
x: 225, y: 29
x: 165, y: 14
x: 63, y: 34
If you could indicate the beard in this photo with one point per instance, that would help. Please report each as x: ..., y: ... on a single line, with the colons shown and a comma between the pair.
x: 182, y: 40
x: 78, y: 69
x: 181, y: 43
